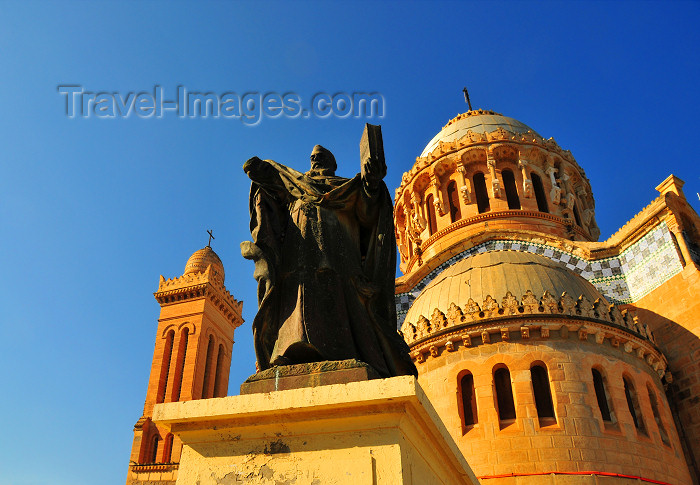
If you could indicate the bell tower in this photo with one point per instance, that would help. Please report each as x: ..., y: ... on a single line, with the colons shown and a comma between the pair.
x: 191, y: 360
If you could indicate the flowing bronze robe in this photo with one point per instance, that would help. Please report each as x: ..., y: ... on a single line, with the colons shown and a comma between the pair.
x: 325, y: 262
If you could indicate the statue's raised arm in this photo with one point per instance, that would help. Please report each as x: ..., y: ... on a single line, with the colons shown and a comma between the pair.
x: 373, y: 165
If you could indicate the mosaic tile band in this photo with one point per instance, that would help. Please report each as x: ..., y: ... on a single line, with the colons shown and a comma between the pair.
x: 621, y: 279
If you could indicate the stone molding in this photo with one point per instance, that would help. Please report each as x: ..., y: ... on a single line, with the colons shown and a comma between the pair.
x: 205, y: 284
x: 571, y: 318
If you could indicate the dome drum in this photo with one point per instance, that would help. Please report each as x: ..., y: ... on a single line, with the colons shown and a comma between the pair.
x: 467, y: 170
x: 577, y: 433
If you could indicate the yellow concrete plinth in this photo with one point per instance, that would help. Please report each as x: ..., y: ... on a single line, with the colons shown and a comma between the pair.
x: 383, y: 431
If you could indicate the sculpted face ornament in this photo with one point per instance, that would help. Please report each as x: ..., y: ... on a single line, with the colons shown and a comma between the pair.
x: 325, y: 260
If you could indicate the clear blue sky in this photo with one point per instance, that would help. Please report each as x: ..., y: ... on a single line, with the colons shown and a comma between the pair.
x: 93, y: 210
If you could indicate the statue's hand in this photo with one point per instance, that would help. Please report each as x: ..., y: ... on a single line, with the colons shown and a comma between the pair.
x: 373, y: 171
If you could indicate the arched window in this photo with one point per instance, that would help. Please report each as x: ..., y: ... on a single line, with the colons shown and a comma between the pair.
x: 504, y: 394
x: 154, y: 449
x: 543, y: 394
x: 219, y: 382
x: 576, y: 215
x: 165, y: 369
x: 430, y: 209
x: 633, y: 405
x: 511, y: 189
x: 207, y: 368
x: 453, y: 199
x: 657, y: 416
x: 168, y: 449
x: 181, y: 356
x: 482, y: 195
x: 540, y: 196
x: 467, y: 400
x: 601, y: 396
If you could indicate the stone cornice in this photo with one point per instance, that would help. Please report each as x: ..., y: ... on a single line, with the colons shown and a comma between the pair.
x: 153, y: 467
x: 200, y: 285
x: 540, y: 327
x: 531, y: 309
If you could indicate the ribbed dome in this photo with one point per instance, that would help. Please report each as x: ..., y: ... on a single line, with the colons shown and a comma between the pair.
x: 202, y: 258
x: 478, y: 121
x: 496, y: 273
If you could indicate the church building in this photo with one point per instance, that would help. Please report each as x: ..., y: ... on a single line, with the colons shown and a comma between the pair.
x: 549, y: 357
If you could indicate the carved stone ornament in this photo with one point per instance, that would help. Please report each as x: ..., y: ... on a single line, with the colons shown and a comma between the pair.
x: 549, y: 303
x: 455, y: 315
x: 530, y: 302
x: 472, y: 307
x: 585, y: 307
x: 510, y: 304
x: 423, y: 327
x: 555, y: 195
x: 490, y: 305
x: 568, y: 304
x: 438, y: 320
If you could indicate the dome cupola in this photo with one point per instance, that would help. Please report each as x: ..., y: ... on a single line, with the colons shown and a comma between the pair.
x: 201, y: 259
x: 486, y: 170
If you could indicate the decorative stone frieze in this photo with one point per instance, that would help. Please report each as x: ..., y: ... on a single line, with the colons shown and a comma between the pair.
x: 546, y: 307
x: 206, y: 284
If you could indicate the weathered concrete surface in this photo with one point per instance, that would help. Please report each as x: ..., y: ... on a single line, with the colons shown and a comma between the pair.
x: 383, y: 431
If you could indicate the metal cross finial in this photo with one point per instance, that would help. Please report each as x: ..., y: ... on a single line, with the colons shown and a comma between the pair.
x: 466, y: 98
x: 211, y: 236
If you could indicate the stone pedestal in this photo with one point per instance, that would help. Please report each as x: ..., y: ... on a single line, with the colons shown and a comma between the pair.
x: 381, y: 431
x: 281, y: 378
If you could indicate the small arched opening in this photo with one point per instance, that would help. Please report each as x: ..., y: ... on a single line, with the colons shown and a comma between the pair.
x: 453, y: 199
x: 467, y: 401
x: 511, y: 189
x: 657, y: 416
x: 430, y: 212
x: 602, y: 396
x: 503, y: 389
x: 543, y: 394
x: 540, y: 195
x: 633, y: 405
x: 482, y: 195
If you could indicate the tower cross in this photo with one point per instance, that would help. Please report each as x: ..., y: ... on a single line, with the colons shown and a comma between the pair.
x: 466, y: 98
x: 211, y: 236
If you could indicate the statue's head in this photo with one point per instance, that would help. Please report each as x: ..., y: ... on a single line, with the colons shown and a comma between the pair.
x: 322, y: 158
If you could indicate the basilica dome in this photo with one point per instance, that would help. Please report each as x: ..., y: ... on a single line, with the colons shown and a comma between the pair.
x: 495, y: 274
x: 201, y: 259
x: 477, y: 121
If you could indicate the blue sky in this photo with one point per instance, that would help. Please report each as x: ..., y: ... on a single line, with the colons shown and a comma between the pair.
x: 93, y: 210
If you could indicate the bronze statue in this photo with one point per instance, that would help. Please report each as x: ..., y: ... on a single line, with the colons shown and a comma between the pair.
x: 325, y: 261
